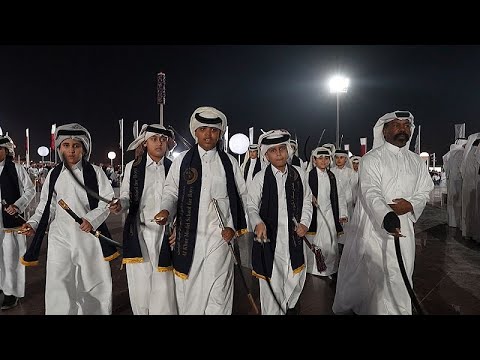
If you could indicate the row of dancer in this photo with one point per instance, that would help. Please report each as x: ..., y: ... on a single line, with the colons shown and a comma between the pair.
x: 279, y: 208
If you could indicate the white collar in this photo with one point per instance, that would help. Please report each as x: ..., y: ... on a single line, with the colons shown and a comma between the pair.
x: 276, y: 171
x: 150, y: 161
x: 395, y: 149
x: 202, y: 151
x: 78, y: 166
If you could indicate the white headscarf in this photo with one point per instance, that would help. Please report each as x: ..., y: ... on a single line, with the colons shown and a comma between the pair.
x: 148, y: 131
x: 378, y: 139
x: 468, y: 147
x: 273, y: 138
x: 317, y: 153
x: 207, y: 116
x: 76, y: 132
x: 330, y: 147
x: 340, y: 152
x: 355, y: 158
x: 7, y: 142
x: 251, y: 147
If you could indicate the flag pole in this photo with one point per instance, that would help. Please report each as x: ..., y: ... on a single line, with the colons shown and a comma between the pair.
x: 121, y: 144
x: 27, y: 147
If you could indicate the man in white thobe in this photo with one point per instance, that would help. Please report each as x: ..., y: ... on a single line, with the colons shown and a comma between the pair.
x: 274, y: 201
x: 347, y: 180
x: 249, y: 169
x: 151, y: 287
x: 17, y: 191
x: 469, y: 171
x: 394, y: 188
x: 452, y: 161
x: 330, y: 208
x: 78, y: 280
x: 202, y: 261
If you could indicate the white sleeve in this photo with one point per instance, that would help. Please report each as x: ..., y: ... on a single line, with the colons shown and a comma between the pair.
x: 307, y: 208
x: 422, y: 193
x: 125, y: 188
x: 35, y: 218
x: 371, y: 189
x: 342, y: 198
x: 27, y: 189
x: 254, y: 199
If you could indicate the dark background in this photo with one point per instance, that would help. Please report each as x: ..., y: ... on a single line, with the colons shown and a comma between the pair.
x: 265, y: 86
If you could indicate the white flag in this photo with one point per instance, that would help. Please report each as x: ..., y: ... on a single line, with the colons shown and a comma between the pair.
x: 120, y: 122
x: 135, y: 129
x: 417, y: 141
x: 459, y: 131
x: 250, y: 135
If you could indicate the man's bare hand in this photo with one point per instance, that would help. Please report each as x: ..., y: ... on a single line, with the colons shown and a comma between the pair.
x: 86, y: 226
x: 301, y: 230
x: 343, y: 220
x: 27, y: 230
x: 115, y: 206
x: 228, y: 234
x: 11, y: 210
x: 401, y: 206
x: 162, y: 217
x: 261, y: 231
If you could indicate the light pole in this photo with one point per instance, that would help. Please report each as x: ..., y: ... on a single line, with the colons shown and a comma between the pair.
x: 338, y: 84
x: 111, y: 155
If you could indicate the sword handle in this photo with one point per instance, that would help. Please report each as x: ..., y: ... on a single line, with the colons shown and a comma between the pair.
x: 65, y: 207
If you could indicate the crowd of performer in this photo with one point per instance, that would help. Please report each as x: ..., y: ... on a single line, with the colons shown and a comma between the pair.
x: 334, y: 216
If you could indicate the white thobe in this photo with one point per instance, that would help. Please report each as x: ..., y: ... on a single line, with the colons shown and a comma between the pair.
x: 287, y: 285
x: 454, y: 188
x: 469, y: 196
x: 369, y: 278
x: 346, y: 179
x: 209, y: 287
x: 13, y: 245
x: 78, y: 279
x: 476, y: 234
x: 151, y: 292
x: 245, y: 242
x: 326, y: 235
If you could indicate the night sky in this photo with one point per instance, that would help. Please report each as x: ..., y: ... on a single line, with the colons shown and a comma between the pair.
x: 265, y: 86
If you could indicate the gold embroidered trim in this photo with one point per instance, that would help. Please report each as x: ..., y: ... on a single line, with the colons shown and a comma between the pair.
x: 112, y: 257
x: 299, y: 269
x: 29, y: 263
x: 132, y: 260
x: 311, y: 233
x: 180, y: 275
x: 164, y: 268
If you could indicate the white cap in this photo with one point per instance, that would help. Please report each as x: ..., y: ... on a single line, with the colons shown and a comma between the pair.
x: 7, y: 143
x: 76, y: 132
x: 273, y: 138
x: 378, y: 139
x: 207, y: 116
x: 148, y: 131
